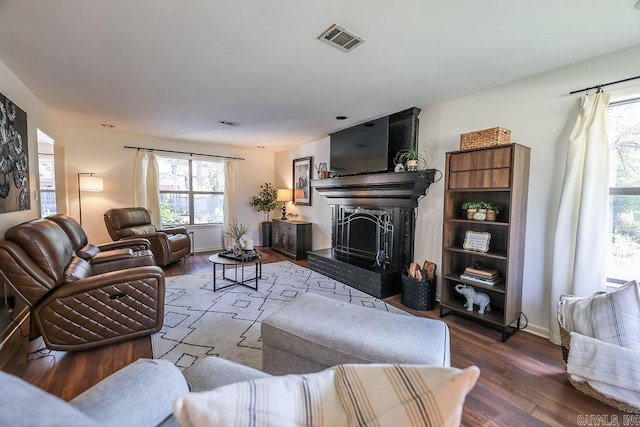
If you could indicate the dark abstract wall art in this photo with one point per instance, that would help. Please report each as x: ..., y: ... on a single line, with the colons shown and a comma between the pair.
x: 14, y: 158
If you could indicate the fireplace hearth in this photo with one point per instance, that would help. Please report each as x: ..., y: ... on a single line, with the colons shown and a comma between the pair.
x: 373, y: 220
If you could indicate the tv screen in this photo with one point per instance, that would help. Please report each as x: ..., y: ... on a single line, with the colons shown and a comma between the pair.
x: 360, y: 149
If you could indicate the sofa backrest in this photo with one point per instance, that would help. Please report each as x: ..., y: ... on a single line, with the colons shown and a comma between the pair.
x: 73, y: 229
x: 34, y: 256
x: 125, y: 222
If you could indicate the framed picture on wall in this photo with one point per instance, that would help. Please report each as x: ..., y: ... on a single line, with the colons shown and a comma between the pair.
x: 302, y: 180
x: 14, y: 158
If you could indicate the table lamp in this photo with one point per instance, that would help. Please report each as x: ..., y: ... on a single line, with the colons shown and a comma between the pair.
x: 284, y: 195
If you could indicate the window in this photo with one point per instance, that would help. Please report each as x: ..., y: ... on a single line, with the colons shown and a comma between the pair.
x: 623, y: 122
x: 191, y: 191
x: 47, y: 174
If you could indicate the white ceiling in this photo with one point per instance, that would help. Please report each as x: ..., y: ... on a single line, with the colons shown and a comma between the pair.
x: 174, y: 68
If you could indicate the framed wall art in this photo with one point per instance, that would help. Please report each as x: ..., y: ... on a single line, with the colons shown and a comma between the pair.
x: 476, y: 241
x: 14, y: 158
x: 302, y: 180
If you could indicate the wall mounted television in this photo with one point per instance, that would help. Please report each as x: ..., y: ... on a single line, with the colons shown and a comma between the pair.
x: 360, y: 149
x: 370, y: 147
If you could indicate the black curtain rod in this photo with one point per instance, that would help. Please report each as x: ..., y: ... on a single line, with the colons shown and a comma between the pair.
x: 600, y: 86
x: 184, y: 152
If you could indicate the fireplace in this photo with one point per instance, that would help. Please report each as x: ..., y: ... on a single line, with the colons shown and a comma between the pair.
x: 373, y: 220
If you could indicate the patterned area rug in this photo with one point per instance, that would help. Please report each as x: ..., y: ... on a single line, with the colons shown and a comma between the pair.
x: 200, y: 323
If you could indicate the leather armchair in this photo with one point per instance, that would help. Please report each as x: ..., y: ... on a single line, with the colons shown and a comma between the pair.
x: 168, y: 244
x: 72, y: 307
x: 108, y: 256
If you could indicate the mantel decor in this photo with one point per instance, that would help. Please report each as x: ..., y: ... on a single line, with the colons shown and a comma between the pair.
x: 302, y: 180
x: 14, y: 157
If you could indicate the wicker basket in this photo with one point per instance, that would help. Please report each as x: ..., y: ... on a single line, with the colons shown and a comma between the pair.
x: 485, y: 138
x: 584, y: 387
x: 418, y: 295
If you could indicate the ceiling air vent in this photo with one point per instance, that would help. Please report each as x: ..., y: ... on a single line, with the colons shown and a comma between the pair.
x: 343, y: 39
x: 229, y: 123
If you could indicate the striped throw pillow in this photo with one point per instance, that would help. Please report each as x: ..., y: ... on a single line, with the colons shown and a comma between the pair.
x: 613, y: 317
x: 403, y: 395
x: 346, y: 395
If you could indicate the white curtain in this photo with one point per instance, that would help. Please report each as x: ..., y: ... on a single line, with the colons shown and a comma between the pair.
x: 153, y: 191
x: 146, y: 188
x: 140, y: 178
x: 229, y: 197
x: 580, y: 241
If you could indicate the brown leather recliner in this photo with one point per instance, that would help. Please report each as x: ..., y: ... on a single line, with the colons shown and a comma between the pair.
x: 107, y: 256
x: 71, y: 307
x: 168, y: 244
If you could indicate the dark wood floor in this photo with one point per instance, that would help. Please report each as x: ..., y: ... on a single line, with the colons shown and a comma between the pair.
x: 522, y: 381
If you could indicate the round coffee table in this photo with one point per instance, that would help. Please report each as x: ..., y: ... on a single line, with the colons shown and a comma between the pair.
x: 218, y: 259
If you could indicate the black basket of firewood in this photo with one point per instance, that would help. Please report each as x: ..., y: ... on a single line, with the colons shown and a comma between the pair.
x: 419, y: 286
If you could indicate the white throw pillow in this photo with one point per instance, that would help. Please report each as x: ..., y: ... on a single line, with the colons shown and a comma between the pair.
x: 392, y: 395
x: 613, y: 317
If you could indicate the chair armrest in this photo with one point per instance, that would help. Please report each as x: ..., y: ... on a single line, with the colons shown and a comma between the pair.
x: 140, y: 394
x: 135, y: 243
x: 213, y: 372
x: 174, y: 230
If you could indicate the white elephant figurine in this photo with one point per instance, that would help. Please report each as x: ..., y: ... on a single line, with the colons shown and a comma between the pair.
x: 473, y: 297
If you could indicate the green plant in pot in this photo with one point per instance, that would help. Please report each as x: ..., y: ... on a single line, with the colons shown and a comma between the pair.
x: 236, y: 231
x: 493, y: 209
x: 413, y: 159
x: 471, y: 208
x: 265, y: 201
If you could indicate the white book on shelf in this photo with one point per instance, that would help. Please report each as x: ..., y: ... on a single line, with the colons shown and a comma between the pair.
x: 488, y: 282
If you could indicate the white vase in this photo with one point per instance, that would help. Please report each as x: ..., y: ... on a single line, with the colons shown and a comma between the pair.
x: 412, y: 165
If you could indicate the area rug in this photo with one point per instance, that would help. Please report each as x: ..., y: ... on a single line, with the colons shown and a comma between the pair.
x: 200, y: 323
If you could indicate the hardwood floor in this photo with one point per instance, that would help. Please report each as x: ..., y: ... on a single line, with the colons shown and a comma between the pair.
x: 522, y: 381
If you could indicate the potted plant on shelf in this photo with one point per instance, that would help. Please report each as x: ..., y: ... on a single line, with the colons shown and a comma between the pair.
x: 493, y: 209
x: 413, y: 159
x: 265, y: 201
x: 471, y: 208
x: 236, y: 231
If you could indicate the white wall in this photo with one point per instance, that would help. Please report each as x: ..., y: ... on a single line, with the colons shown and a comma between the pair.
x: 540, y: 114
x: 37, y: 117
x: 103, y: 153
x: 319, y: 213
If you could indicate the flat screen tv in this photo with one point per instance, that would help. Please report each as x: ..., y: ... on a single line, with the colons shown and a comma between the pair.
x: 360, y: 149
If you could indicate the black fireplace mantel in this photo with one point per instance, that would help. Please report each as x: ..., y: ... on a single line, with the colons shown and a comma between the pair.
x: 397, y: 189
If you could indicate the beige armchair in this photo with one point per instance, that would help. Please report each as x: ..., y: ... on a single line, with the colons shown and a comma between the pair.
x: 168, y: 244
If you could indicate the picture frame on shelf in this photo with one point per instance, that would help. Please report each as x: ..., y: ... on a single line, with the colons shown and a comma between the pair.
x: 302, y: 180
x: 476, y: 241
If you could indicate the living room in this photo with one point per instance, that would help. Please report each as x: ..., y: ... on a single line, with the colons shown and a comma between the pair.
x: 535, y: 106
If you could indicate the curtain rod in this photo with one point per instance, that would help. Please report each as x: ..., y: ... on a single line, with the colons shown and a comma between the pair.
x: 184, y: 152
x: 600, y: 86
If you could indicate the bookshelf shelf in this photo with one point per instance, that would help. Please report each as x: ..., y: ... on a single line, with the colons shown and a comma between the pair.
x: 499, y: 175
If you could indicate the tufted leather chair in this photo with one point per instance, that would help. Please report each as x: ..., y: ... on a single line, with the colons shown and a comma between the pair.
x: 108, y: 256
x: 168, y: 244
x: 72, y: 307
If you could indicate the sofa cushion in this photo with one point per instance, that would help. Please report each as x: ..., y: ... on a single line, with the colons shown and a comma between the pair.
x: 88, y: 251
x: 314, y: 332
x: 23, y: 404
x: 375, y: 394
x: 46, y: 243
x: 77, y: 269
x: 610, y: 316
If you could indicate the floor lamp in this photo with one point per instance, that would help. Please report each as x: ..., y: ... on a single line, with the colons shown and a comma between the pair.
x: 87, y: 181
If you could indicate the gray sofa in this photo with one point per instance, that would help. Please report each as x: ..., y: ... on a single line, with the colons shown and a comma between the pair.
x: 141, y: 394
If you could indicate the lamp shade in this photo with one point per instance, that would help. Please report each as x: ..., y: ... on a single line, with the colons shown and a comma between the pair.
x: 91, y: 183
x: 284, y: 195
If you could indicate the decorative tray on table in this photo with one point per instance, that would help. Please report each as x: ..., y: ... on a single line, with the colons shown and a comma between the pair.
x: 244, y: 255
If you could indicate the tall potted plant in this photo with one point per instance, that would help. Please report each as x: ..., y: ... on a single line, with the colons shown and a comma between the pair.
x: 265, y: 201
